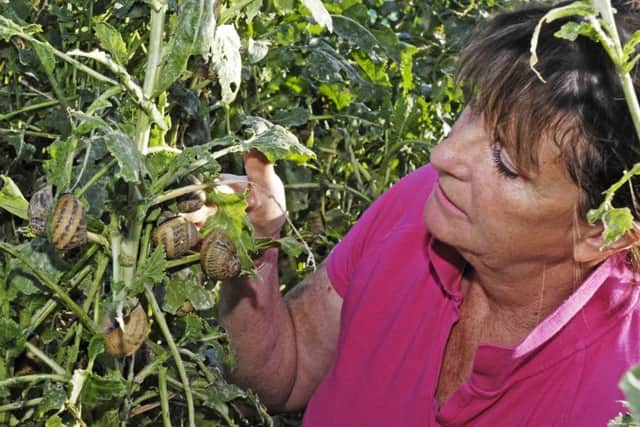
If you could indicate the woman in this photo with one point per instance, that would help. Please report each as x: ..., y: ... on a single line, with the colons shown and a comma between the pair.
x: 473, y: 292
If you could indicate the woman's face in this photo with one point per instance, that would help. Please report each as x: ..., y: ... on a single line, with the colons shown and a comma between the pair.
x: 485, y: 208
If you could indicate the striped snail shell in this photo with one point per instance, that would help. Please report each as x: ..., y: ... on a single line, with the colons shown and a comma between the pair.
x: 191, y: 202
x: 121, y: 343
x: 219, y: 257
x: 68, y: 223
x: 40, y: 206
x: 177, y: 235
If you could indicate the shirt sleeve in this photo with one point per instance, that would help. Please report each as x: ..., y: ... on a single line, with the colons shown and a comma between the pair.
x: 402, y: 203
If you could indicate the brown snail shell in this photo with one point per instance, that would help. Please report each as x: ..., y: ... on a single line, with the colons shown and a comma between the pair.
x: 39, y: 209
x: 119, y: 343
x: 191, y: 202
x: 219, y: 257
x: 177, y: 235
x: 68, y: 223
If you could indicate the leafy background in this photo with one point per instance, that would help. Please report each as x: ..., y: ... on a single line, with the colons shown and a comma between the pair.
x: 369, y: 99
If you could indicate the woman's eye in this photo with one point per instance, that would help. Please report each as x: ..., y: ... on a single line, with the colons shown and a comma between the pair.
x: 502, y: 162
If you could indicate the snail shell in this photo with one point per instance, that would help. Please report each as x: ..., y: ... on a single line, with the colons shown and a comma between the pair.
x: 119, y: 343
x: 219, y: 257
x: 193, y: 201
x: 40, y: 206
x: 68, y: 223
x: 177, y: 235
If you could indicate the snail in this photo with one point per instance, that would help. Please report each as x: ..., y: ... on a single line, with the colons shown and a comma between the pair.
x: 121, y: 342
x: 177, y: 235
x: 219, y: 257
x: 68, y: 223
x: 191, y: 202
x: 39, y: 208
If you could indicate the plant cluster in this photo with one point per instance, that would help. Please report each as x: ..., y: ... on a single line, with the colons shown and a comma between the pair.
x: 113, y: 112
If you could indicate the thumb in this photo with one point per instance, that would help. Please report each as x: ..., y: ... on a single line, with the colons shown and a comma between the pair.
x: 257, y: 167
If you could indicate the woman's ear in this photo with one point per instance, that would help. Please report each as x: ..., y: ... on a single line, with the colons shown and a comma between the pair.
x: 589, y: 249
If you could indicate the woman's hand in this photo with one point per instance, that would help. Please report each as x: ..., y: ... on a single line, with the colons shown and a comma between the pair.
x: 266, y: 199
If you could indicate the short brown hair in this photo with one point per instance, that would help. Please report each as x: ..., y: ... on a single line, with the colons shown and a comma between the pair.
x: 581, y: 104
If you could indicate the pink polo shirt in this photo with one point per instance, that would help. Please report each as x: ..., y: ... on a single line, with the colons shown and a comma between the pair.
x: 401, y: 292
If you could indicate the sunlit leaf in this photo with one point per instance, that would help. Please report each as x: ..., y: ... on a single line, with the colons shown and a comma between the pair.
x: 257, y: 49
x: 11, y: 198
x: 111, y: 40
x: 616, y: 221
x: 319, y: 13
x: 54, y: 421
x: 571, y: 31
x: 340, y: 95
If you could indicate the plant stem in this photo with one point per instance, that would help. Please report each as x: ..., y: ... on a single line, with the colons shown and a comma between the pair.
x: 183, y: 260
x: 172, y: 194
x: 97, y: 238
x: 158, y: 13
x: 28, y: 108
x: 102, y: 172
x: 26, y: 379
x: 21, y: 404
x: 52, y: 285
x: 51, y: 305
x: 200, y: 363
x: 46, y: 359
x: 164, y: 400
x: 162, y: 323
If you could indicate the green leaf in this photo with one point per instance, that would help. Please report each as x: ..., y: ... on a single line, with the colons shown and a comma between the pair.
x: 150, y: 271
x: 291, y: 246
x: 45, y: 259
x: 182, y: 44
x: 166, y: 168
x: 109, y: 419
x: 96, y: 346
x: 8, y: 29
x: 359, y: 36
x: 54, y: 421
x: 103, y: 389
x: 616, y: 221
x: 193, y: 327
x: 11, y: 198
x: 295, y: 117
x: 46, y: 57
x: 274, y: 141
x: 337, y: 93
x: 406, y: 68
x: 53, y: 398
x: 55, y: 167
x: 130, y: 162
x: 185, y: 285
x: 111, y: 40
x: 629, y: 48
x: 571, y: 31
x: 12, y: 339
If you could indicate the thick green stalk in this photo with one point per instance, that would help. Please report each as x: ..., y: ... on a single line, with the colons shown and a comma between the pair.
x: 162, y: 323
x: 52, y: 285
x: 153, y: 61
x: 21, y: 404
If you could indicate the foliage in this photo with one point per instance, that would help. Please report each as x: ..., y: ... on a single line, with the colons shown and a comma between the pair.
x: 117, y: 102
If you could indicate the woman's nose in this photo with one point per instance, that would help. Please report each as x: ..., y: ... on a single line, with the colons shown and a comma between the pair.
x: 451, y: 158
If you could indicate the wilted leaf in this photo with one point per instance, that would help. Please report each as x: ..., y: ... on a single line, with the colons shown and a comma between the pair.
x: 111, y: 40
x: 11, y: 198
x: 227, y: 62
x: 257, y: 50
